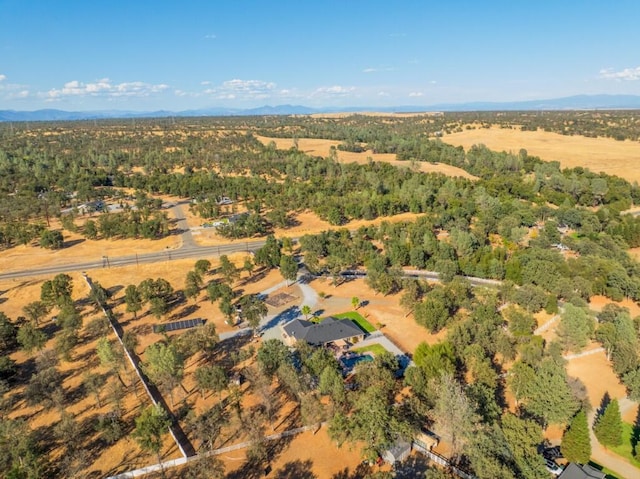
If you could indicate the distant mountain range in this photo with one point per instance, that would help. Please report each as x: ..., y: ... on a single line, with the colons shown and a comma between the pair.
x: 578, y: 102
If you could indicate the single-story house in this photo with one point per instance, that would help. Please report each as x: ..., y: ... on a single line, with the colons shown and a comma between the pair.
x: 398, y: 452
x: 578, y: 471
x: 330, y: 330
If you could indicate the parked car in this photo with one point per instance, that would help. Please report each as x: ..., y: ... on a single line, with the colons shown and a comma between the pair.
x: 552, y: 467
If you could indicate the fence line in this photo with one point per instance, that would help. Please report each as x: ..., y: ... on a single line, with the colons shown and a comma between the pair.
x: 117, y: 329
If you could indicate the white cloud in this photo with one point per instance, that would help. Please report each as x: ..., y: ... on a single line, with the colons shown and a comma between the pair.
x: 333, y: 91
x: 626, y: 74
x: 377, y: 70
x: 104, y: 88
x: 383, y: 93
x: 12, y: 91
x: 18, y: 95
x: 211, y: 36
x: 416, y: 94
x: 205, y: 83
x: 242, y: 90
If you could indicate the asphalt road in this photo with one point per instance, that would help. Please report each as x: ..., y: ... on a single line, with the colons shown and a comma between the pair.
x: 186, y: 251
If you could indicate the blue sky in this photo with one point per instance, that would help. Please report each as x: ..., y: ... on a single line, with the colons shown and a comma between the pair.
x: 143, y: 55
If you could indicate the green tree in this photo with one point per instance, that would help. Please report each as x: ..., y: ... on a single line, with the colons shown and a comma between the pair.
x: 306, y: 310
x: 608, y: 428
x: 288, y: 268
x: 133, y: 300
x: 20, y: 457
x: 51, y: 239
x: 248, y: 265
x: 69, y: 318
x: 211, y: 378
x: 435, y: 360
x: 193, y: 283
x: 523, y: 437
x: 90, y: 230
x: 151, y: 425
x: 158, y: 307
x: 30, y: 338
x: 253, y: 310
x: 202, y: 266
x: 554, y: 408
x: 269, y: 255
x: 35, y: 311
x: 228, y: 270
x: 57, y: 292
x: 164, y: 366
x: 576, y: 327
x: 271, y: 354
x: 355, y: 302
x: 576, y: 443
x: 110, y: 357
x: 8, y: 333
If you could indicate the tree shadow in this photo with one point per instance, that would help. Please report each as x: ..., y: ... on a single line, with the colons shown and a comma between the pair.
x: 414, y: 466
x: 186, y: 311
x: 362, y: 470
x: 635, y: 435
x: 69, y: 244
x: 604, y: 402
x: 284, y: 317
x: 295, y: 470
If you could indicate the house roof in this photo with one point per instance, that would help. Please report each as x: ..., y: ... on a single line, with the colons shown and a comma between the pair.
x: 398, y: 451
x: 577, y: 471
x: 330, y: 329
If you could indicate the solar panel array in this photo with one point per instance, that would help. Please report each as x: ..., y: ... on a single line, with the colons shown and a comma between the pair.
x: 186, y: 324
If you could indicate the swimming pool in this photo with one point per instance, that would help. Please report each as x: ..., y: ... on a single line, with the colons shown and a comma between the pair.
x: 350, y: 361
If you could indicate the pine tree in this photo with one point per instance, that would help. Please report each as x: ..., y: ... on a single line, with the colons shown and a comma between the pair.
x: 608, y: 429
x: 576, y: 444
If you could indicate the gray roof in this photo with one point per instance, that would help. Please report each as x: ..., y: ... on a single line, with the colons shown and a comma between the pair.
x: 330, y: 329
x: 577, y: 471
x: 397, y: 452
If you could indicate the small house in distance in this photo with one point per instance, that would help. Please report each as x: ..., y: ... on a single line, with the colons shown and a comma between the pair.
x: 330, y: 330
x: 577, y: 471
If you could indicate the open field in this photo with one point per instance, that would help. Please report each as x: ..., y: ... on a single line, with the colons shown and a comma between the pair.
x: 305, y: 223
x: 598, y: 154
x: 318, y: 147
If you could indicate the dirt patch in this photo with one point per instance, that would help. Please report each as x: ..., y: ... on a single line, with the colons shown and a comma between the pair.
x: 280, y: 299
x: 598, y: 154
x: 595, y: 371
x: 596, y: 303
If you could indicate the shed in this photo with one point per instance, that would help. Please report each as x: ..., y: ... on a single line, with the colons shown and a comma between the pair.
x: 398, y: 452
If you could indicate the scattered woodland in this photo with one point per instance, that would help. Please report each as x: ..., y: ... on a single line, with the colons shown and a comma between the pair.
x: 553, y: 237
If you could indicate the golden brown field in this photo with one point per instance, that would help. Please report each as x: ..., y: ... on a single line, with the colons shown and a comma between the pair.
x: 607, y: 155
x: 319, y: 147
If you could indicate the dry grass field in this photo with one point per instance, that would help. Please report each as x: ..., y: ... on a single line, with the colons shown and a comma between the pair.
x: 621, y: 158
x: 101, y: 460
x: 319, y: 147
